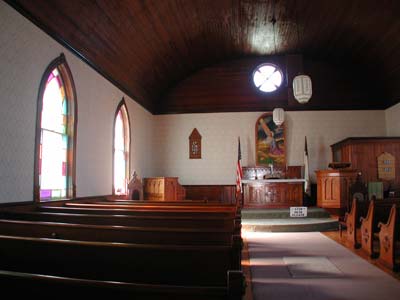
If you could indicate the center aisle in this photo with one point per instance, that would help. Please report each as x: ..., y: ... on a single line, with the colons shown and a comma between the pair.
x: 308, y: 265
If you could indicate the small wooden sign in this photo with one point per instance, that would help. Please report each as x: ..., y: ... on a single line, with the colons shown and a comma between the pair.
x: 298, y: 211
x: 386, y: 166
x: 195, y: 145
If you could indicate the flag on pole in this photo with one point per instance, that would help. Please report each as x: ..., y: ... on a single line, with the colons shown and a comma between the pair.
x: 239, y: 172
x: 307, y: 188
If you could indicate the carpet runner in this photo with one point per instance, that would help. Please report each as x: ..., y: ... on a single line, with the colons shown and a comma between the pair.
x: 308, y: 265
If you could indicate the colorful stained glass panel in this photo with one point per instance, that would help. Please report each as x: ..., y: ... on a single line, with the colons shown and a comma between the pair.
x: 53, y: 164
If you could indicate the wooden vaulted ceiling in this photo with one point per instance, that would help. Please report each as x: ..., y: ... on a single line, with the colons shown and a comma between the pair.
x: 176, y: 56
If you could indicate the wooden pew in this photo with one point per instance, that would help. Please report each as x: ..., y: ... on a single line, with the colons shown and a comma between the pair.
x: 120, y: 234
x: 45, y: 286
x: 148, y: 213
x: 125, y: 220
x: 136, y: 212
x: 157, y: 207
x: 123, y: 234
x: 199, y: 265
x: 187, y: 203
x: 389, y: 239
x: 149, y: 202
x: 378, y: 211
x: 351, y: 222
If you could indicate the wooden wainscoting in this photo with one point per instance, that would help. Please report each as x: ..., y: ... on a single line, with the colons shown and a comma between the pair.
x: 217, y: 193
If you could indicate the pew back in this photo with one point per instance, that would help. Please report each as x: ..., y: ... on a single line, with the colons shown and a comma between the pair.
x: 120, y: 234
x: 46, y: 286
x: 185, y: 265
x: 137, y: 212
x: 124, y: 220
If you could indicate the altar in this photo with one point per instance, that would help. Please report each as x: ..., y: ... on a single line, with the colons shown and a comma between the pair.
x: 272, y: 193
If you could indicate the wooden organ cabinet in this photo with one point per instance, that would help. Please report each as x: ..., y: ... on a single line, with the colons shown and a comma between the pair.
x: 363, y: 152
x: 333, y: 188
x: 163, y: 189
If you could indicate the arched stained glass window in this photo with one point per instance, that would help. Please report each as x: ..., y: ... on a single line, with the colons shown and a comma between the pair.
x: 54, y: 165
x: 121, y: 150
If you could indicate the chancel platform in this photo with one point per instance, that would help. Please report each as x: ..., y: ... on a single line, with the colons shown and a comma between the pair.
x: 279, y: 220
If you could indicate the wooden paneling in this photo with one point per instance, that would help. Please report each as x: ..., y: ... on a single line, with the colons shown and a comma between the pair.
x: 229, y: 87
x: 211, y: 193
x: 148, y: 48
x: 363, y: 154
x: 293, y: 172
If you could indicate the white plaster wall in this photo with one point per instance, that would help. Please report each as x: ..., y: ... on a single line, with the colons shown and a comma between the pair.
x: 141, y: 122
x: 219, y: 141
x: 393, y: 120
x: 25, y: 52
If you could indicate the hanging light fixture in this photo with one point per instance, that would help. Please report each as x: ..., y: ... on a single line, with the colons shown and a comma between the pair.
x: 278, y: 116
x: 302, y: 86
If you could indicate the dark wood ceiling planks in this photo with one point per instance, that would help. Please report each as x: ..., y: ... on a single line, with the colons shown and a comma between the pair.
x: 150, y: 48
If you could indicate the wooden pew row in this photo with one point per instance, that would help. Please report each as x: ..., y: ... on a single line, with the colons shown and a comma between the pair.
x: 123, y: 234
x: 202, y: 266
x: 351, y: 222
x: 378, y: 211
x: 148, y: 214
x: 185, y: 203
x: 389, y: 240
x: 137, y: 212
x: 120, y: 234
x: 125, y: 220
x: 149, y: 202
x: 43, y: 286
x: 157, y: 207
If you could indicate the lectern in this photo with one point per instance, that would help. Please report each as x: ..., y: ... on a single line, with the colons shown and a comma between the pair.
x: 333, y: 187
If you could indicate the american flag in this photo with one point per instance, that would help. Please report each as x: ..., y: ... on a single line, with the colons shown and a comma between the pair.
x: 239, y: 173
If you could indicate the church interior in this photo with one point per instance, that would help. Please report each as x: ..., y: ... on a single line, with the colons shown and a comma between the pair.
x: 198, y: 149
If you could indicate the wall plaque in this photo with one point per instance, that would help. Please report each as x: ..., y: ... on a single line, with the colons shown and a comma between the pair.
x: 386, y: 166
x: 195, y: 145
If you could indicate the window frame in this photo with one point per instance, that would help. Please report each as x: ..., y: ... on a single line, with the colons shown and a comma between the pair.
x: 277, y: 68
x: 70, y: 93
x: 127, y: 123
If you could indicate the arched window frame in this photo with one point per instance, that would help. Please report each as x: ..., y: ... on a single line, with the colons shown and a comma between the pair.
x: 72, y: 117
x: 127, y: 139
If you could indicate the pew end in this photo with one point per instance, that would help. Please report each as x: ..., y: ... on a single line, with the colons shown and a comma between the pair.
x: 389, y: 240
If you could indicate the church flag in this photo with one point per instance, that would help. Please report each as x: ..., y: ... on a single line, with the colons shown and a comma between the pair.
x: 307, y: 188
x: 239, y: 172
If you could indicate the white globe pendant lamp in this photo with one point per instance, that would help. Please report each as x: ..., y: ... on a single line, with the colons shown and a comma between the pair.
x: 278, y: 116
x: 302, y: 88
